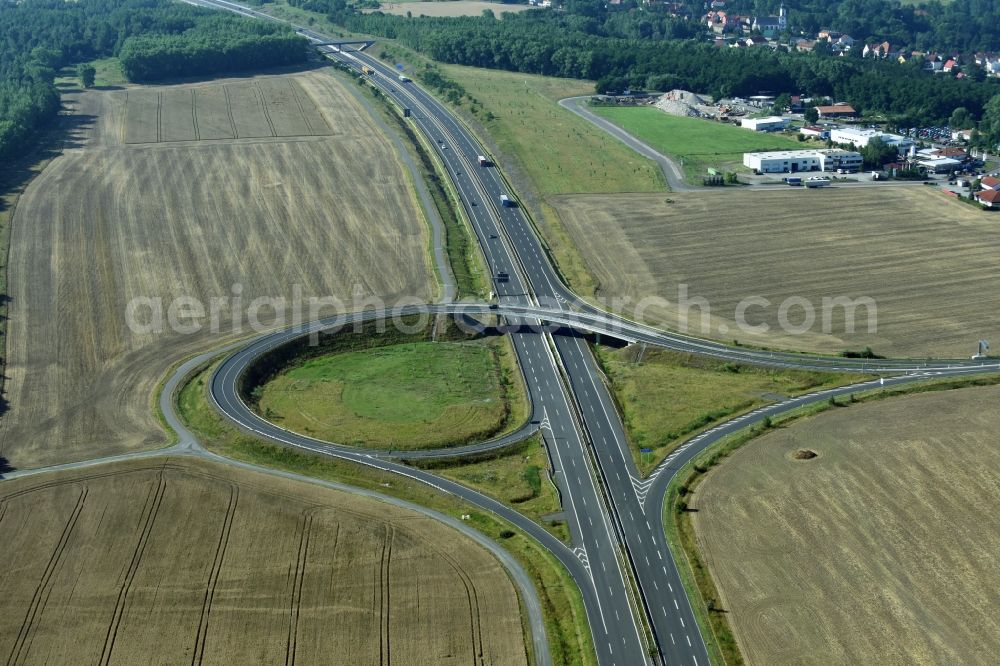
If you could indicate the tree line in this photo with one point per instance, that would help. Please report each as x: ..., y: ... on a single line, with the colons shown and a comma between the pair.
x: 572, y: 45
x: 158, y: 39
x: 220, y: 43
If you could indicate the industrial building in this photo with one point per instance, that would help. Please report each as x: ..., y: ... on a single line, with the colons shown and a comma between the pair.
x: 769, y: 124
x: 792, y: 161
x: 859, y: 138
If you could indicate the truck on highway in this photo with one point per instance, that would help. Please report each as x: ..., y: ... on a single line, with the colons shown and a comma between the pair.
x: 817, y: 181
x: 365, y: 69
x: 404, y: 78
x: 483, y: 161
x: 506, y: 201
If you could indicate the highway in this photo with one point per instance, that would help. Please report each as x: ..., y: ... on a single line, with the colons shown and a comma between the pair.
x: 618, y: 556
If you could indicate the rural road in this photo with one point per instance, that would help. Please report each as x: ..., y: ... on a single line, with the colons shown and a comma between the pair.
x: 603, y: 495
x: 671, y: 170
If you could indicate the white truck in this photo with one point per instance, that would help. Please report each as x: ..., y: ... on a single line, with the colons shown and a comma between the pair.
x: 817, y: 181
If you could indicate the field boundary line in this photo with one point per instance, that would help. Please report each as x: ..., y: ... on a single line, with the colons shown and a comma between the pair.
x: 159, y: 117
x: 43, y: 589
x: 150, y: 510
x: 213, y: 578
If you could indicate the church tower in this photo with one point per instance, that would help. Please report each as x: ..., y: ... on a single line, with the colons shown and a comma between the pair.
x: 782, y: 18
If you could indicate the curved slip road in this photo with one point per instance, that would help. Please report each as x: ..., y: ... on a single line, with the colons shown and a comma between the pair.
x: 616, y: 535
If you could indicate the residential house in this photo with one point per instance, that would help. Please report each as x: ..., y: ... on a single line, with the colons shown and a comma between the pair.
x: 989, y: 198
x: 949, y: 65
x: 990, y: 183
x: 805, y: 45
x: 845, y: 42
x: 877, y: 50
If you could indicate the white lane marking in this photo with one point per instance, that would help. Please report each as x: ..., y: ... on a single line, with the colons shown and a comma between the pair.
x: 675, y: 605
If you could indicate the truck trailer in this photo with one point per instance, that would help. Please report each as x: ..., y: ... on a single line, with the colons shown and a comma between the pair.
x: 506, y: 201
x: 483, y: 161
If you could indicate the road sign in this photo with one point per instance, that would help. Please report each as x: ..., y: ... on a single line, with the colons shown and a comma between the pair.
x: 645, y: 450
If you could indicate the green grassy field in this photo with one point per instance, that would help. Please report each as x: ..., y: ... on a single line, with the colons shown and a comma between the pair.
x: 416, y: 395
x: 699, y: 143
x: 559, y: 152
x: 666, y: 397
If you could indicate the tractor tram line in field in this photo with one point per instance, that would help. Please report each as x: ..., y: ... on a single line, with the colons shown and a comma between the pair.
x: 589, y: 434
x: 634, y: 599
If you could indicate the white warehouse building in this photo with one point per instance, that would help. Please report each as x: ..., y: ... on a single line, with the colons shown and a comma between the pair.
x: 792, y: 161
x: 769, y: 124
x: 859, y: 138
x: 782, y: 161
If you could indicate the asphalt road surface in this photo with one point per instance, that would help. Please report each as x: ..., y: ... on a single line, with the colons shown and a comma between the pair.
x: 618, y: 556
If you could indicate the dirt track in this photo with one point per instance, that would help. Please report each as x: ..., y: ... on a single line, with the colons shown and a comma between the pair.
x: 109, y: 222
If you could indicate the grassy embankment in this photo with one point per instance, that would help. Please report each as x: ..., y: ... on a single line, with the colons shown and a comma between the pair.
x: 697, y: 143
x: 698, y: 582
x: 565, y: 617
x: 546, y: 150
x: 666, y: 397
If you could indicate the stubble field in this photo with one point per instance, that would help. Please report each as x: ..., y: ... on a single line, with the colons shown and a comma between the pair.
x: 929, y: 264
x: 879, y: 550
x: 180, y: 561
x: 449, y: 8
x: 139, y: 207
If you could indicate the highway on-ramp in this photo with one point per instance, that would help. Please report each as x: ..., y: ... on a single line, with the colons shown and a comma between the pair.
x: 619, y: 556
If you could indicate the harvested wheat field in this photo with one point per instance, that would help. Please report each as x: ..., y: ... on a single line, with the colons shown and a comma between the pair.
x: 162, y: 195
x: 928, y: 262
x: 181, y: 561
x: 879, y: 550
x: 449, y: 8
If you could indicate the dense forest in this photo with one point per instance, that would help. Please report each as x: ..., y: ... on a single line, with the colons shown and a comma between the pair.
x: 578, y: 46
x: 155, y: 39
